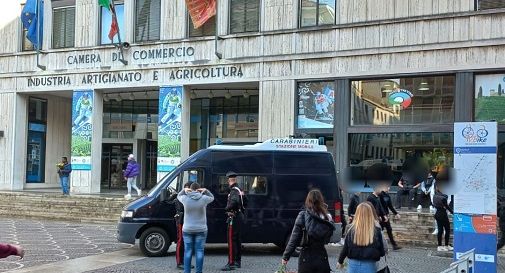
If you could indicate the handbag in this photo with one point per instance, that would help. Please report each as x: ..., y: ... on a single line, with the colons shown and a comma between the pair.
x: 305, y: 237
x: 385, y: 269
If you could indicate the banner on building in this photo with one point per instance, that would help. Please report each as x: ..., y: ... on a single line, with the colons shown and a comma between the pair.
x: 475, y: 162
x: 82, y: 129
x: 315, y: 105
x: 201, y: 11
x: 169, y: 128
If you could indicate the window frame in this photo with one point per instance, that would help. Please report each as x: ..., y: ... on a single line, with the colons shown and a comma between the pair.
x: 100, y: 25
x: 52, y: 26
x: 477, y: 6
x: 260, y: 2
x: 189, y: 24
x: 322, y: 131
x: 135, y: 19
x: 317, y: 25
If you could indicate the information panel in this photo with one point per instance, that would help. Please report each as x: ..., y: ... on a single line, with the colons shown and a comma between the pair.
x: 169, y: 128
x: 475, y: 162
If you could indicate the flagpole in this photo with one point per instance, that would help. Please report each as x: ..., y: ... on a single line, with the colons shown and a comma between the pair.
x: 121, y: 59
x: 43, y: 67
x: 216, y: 38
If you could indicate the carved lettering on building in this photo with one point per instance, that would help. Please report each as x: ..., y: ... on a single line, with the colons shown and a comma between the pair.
x: 119, y: 77
x: 205, y: 73
x: 84, y: 59
x: 164, y: 54
x: 48, y: 81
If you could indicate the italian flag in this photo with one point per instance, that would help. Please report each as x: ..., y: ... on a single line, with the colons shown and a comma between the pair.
x: 114, y: 27
x: 201, y: 11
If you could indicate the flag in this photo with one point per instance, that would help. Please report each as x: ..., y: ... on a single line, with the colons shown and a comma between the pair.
x: 32, y: 19
x: 114, y: 27
x: 201, y: 11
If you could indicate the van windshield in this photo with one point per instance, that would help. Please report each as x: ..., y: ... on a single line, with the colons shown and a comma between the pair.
x: 158, y: 185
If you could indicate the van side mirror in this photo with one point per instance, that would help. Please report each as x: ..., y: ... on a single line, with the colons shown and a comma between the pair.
x: 163, y: 195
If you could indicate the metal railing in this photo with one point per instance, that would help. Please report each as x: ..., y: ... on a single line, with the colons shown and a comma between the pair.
x: 463, y: 264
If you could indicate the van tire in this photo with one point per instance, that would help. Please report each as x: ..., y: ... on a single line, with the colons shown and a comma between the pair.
x: 154, y: 242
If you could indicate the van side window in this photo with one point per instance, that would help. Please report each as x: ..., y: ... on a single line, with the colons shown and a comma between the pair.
x: 250, y: 162
x: 250, y: 184
x: 296, y: 163
x: 192, y: 176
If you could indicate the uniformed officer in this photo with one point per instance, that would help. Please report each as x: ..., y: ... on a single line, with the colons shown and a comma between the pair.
x: 235, y: 212
x: 179, y: 220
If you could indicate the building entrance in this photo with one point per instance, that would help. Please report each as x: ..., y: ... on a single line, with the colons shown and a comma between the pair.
x: 114, y: 160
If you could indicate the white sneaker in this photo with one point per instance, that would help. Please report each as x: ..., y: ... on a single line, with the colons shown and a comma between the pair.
x: 435, y: 232
x: 449, y: 248
x: 441, y: 248
x: 419, y: 208
x: 432, y: 209
x: 128, y: 197
x: 139, y: 192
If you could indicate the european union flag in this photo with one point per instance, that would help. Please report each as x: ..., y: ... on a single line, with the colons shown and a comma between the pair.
x: 31, y: 17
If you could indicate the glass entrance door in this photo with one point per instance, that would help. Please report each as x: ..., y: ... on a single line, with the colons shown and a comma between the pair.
x: 36, y: 150
x: 114, y: 161
x: 151, y: 164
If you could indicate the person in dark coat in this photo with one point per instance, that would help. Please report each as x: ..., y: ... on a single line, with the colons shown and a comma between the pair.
x: 7, y: 250
x: 318, y: 226
x: 179, y: 220
x: 364, y: 244
x: 501, y: 215
x: 235, y: 211
x: 353, y: 204
x: 441, y: 203
x: 387, y: 205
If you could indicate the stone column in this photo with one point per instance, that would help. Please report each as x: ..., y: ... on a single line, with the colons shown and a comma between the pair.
x: 87, y: 107
x: 20, y: 125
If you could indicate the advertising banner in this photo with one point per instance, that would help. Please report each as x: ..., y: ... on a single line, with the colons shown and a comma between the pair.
x: 316, y: 105
x: 475, y: 162
x: 82, y: 129
x: 169, y: 128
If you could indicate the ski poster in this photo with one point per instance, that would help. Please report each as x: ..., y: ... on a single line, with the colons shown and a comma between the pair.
x: 82, y: 129
x: 169, y: 128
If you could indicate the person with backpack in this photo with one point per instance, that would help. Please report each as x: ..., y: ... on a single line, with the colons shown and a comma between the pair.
x: 235, y: 209
x: 364, y: 245
x: 194, y: 230
x: 312, y: 231
x: 130, y: 175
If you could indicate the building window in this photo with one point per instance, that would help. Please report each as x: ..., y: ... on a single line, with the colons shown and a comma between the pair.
x: 490, y: 4
x: 244, y: 16
x: 490, y: 98
x: 208, y: 29
x: 63, y: 25
x: 147, y: 20
x: 414, y: 100
x: 26, y: 45
x: 106, y: 20
x: 317, y: 12
x: 433, y: 151
x: 315, y: 104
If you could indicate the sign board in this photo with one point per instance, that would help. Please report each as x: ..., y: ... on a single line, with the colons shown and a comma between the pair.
x: 279, y: 144
x: 82, y: 129
x: 169, y: 128
x: 475, y: 163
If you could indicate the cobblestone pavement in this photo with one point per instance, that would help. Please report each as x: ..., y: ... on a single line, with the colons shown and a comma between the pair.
x: 49, y: 241
x: 266, y: 258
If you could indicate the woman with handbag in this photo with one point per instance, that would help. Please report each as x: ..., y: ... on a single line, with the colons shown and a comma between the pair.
x: 363, y: 244
x: 313, y: 229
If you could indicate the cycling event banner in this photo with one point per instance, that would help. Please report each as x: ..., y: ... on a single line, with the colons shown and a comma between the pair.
x: 82, y: 129
x: 475, y: 163
x: 169, y: 128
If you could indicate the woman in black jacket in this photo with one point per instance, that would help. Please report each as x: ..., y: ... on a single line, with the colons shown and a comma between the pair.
x: 315, y: 222
x: 363, y: 244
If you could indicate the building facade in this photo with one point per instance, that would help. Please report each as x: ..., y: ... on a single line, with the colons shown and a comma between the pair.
x: 380, y: 80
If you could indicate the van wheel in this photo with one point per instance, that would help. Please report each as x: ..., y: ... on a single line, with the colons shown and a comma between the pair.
x: 154, y: 242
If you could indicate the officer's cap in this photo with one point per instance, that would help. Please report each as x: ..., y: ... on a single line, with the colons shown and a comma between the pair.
x: 231, y: 174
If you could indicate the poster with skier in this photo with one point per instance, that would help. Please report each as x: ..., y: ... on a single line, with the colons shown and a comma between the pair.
x: 315, y: 105
x: 82, y: 129
x: 169, y: 128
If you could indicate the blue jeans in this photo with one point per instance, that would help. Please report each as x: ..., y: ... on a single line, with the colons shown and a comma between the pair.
x: 64, y: 184
x: 194, y: 242
x: 357, y: 266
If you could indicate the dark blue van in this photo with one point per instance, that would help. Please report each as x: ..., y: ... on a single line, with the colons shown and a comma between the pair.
x: 275, y: 175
